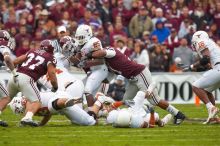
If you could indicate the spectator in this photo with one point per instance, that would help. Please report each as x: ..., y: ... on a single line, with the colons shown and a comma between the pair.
x: 87, y: 19
x: 159, y: 16
x: 105, y: 12
x: 117, y: 89
x: 153, y: 43
x: 184, y: 27
x: 216, y: 17
x: 121, y: 11
x: 167, y: 57
x: 77, y: 10
x: 38, y: 35
x: 213, y: 32
x: 91, y: 4
x: 25, y: 47
x: 161, y: 31
x: 146, y: 38
x: 157, y: 60
x: 139, y: 23
x: 65, y: 20
x: 21, y: 36
x: 199, y: 17
x: 189, y: 35
x: 11, y: 22
x: 45, y: 22
x: 171, y: 22
x: 117, y: 32
x: 102, y: 36
x: 122, y: 47
x: 140, y: 54
x: 172, y: 41
x: 184, y: 52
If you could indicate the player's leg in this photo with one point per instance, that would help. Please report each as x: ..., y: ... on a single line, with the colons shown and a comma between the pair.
x: 94, y: 80
x: 4, y: 100
x: 29, y: 89
x: 203, y: 88
x: 78, y: 116
x: 76, y: 90
x: 144, y: 81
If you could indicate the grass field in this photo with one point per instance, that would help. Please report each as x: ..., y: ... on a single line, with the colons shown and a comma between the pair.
x: 59, y: 132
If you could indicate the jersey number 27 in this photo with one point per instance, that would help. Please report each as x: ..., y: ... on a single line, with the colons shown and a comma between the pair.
x: 31, y: 57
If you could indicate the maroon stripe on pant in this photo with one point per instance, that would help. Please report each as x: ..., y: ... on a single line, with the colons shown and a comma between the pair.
x: 35, y: 90
x: 4, y: 90
x: 147, y: 85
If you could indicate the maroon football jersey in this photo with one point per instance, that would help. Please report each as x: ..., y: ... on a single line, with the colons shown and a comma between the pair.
x: 121, y: 64
x: 36, y: 64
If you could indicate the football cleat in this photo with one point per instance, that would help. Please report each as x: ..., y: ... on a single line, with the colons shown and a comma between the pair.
x: 179, y: 118
x: 28, y: 122
x: 3, y: 123
x: 212, y: 113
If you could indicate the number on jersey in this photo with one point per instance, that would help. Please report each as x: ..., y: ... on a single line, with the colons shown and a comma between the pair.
x: 31, y: 57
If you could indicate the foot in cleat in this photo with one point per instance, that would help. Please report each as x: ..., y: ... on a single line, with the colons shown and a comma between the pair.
x: 28, y: 122
x: 3, y: 123
x: 179, y: 118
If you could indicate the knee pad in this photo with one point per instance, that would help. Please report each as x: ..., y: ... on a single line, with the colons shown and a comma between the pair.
x: 55, y: 105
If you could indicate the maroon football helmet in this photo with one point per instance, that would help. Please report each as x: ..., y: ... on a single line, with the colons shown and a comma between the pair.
x: 68, y: 45
x: 47, y: 45
x: 6, y: 40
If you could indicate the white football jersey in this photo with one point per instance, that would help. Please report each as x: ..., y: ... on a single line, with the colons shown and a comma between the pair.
x: 214, y: 51
x: 92, y: 45
x: 62, y: 61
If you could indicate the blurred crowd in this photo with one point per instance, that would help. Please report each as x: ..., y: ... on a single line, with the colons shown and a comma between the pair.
x: 151, y: 32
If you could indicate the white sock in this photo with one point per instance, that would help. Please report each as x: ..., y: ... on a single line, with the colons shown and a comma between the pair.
x: 139, y: 99
x: 28, y: 115
x: 171, y: 109
x: 209, y: 105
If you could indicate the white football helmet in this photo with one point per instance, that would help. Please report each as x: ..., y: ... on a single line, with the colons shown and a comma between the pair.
x: 83, y: 34
x: 198, y: 37
x: 123, y: 119
x: 17, y: 105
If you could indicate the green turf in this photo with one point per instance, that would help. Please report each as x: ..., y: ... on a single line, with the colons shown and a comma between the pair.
x: 58, y: 133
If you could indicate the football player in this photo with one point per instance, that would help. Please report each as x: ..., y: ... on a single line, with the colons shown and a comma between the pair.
x: 136, y: 116
x: 66, y: 81
x: 96, y: 69
x: 139, y: 79
x: 31, y: 66
x: 209, y: 53
x: 6, y: 44
x: 52, y: 104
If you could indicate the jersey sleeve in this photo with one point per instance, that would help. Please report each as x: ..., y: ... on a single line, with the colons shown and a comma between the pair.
x: 96, y: 45
x: 52, y: 60
x: 4, y: 49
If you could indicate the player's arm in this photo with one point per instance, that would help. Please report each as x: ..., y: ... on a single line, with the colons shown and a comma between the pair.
x: 20, y: 60
x: 45, y: 119
x: 51, y: 70
x: 9, y: 62
x: 204, y: 61
x: 75, y: 59
x: 105, y: 53
x: 94, y: 62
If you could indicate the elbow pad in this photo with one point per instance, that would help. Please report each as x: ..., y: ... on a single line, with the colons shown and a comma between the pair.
x: 205, y: 60
x: 110, y: 53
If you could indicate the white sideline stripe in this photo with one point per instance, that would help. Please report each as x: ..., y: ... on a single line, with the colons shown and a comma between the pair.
x: 55, y: 121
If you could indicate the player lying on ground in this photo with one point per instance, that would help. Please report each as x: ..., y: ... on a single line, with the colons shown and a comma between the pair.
x: 52, y: 104
x: 139, y: 79
x: 136, y: 116
x: 209, y: 53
